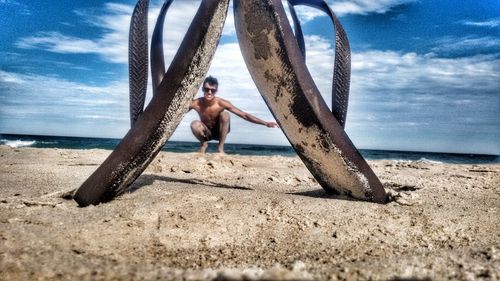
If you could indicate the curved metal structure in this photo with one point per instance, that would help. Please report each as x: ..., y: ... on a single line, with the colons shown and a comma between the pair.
x: 276, y: 64
x: 276, y: 61
x: 138, y: 59
x: 164, y: 112
x: 342, y: 64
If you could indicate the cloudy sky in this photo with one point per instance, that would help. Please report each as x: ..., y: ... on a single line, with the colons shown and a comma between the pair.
x: 426, y: 74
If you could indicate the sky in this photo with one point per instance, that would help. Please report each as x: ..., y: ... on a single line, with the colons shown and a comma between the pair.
x: 425, y: 74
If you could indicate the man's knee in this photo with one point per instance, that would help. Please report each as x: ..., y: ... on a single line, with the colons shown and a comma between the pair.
x: 196, y: 126
x: 198, y: 129
x: 224, y: 117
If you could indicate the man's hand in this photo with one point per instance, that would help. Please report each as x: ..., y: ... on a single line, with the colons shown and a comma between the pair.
x: 272, y: 125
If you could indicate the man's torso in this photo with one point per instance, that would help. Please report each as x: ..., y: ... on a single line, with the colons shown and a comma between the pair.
x: 209, y: 113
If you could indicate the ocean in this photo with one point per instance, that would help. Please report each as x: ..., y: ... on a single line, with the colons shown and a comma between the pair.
x: 17, y: 141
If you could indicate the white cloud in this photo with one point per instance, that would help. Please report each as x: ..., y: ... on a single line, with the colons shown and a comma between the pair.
x: 344, y: 7
x: 112, y: 45
x: 39, y: 97
x: 305, y: 13
x: 467, y: 43
x: 62, y: 105
x: 6, y: 77
x: 402, y: 96
x: 491, y: 23
x: 376, y: 70
x: 59, y: 43
x: 364, y: 7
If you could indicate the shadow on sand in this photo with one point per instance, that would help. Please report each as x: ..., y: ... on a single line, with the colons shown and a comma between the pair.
x: 321, y: 193
x: 146, y: 180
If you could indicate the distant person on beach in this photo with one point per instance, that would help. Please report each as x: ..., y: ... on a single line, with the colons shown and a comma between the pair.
x: 214, y: 123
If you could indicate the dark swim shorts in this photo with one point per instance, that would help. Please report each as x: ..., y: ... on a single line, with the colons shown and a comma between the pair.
x: 215, y: 131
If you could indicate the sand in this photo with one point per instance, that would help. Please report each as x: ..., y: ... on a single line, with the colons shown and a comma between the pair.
x: 205, y: 217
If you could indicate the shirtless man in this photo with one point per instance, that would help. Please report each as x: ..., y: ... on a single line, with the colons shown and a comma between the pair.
x: 214, y: 123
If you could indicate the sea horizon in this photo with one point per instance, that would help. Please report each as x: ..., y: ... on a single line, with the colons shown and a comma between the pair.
x: 73, y: 142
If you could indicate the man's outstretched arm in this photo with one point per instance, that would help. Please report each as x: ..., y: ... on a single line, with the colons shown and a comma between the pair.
x: 246, y: 116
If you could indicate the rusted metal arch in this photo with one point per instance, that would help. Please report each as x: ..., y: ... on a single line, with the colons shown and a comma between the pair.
x: 342, y: 64
x: 163, y: 114
x: 276, y: 63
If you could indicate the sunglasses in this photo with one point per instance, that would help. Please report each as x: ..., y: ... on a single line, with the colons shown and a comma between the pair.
x: 206, y: 90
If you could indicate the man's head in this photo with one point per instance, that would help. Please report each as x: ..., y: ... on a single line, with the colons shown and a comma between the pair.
x: 210, y: 86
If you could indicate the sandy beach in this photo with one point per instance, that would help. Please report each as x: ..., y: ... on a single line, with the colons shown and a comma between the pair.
x: 206, y: 217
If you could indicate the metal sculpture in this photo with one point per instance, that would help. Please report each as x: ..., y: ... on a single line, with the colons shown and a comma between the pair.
x: 275, y: 58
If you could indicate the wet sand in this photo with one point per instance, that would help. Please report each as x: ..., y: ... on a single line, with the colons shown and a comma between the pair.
x: 205, y: 217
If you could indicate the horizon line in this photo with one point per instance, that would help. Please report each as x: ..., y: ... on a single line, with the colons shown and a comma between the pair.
x: 256, y: 144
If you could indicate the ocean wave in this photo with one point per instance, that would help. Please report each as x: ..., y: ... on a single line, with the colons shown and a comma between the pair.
x: 423, y: 159
x: 17, y: 143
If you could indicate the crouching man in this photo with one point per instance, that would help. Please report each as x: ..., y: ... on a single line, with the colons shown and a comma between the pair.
x: 214, y: 123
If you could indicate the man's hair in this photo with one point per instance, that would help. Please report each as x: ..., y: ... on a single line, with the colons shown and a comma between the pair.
x: 212, y: 81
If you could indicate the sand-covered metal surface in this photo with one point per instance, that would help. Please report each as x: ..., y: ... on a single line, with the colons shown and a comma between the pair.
x: 279, y: 72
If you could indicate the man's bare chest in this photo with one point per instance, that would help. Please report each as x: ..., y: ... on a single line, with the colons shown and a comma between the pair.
x: 210, y: 115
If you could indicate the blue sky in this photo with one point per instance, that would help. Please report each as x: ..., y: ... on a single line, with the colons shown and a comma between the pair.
x: 426, y: 74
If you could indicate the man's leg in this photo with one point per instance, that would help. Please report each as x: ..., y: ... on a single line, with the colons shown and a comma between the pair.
x: 200, y: 131
x: 224, y: 122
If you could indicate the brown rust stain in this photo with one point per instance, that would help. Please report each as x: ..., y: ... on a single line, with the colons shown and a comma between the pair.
x: 261, y: 27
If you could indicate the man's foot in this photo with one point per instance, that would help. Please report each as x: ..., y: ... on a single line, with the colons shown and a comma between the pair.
x: 203, y: 147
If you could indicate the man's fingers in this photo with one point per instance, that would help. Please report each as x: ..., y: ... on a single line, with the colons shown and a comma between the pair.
x: 272, y: 125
